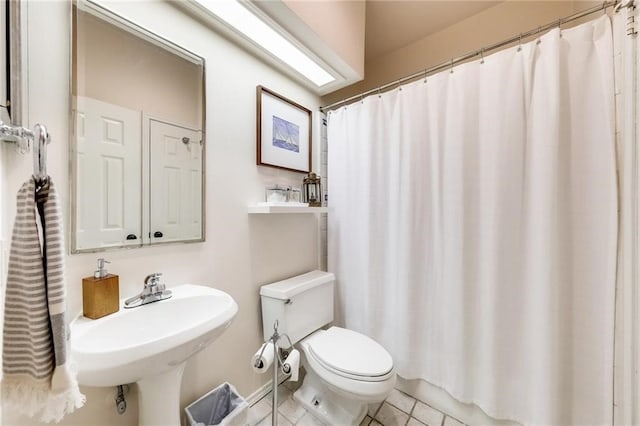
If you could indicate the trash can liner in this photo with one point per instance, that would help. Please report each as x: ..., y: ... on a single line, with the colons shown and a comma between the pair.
x: 221, y: 406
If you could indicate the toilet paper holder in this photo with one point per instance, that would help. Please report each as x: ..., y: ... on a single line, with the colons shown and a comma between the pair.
x: 279, y: 364
x: 275, y: 337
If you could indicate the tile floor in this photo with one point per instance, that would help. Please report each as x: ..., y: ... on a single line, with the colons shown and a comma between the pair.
x: 399, y: 409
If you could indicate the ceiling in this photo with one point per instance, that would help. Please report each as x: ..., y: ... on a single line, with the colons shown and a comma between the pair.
x: 392, y: 24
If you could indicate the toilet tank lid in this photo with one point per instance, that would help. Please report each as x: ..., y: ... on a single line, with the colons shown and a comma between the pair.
x: 288, y: 288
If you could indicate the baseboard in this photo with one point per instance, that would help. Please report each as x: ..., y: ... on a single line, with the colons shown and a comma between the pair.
x: 264, y: 390
x: 260, y: 393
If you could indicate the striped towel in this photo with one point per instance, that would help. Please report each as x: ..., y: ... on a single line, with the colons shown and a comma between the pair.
x: 36, y: 375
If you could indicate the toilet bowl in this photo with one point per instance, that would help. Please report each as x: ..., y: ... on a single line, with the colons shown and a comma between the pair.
x: 345, y: 370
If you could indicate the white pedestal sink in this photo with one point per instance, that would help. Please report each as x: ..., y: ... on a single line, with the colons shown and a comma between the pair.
x: 149, y: 345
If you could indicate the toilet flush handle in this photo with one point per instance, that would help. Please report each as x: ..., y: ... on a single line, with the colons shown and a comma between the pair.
x: 288, y: 302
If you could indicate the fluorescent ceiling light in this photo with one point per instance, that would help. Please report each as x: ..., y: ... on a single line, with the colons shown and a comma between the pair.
x: 244, y: 21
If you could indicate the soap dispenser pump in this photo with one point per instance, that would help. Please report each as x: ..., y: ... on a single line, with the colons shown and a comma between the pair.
x: 101, y: 272
x: 100, y: 293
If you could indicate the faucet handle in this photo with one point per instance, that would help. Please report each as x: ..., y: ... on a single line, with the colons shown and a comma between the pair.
x: 154, y: 278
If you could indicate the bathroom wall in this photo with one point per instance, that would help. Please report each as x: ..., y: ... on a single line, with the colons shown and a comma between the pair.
x: 332, y: 30
x: 490, y: 26
x: 241, y: 252
x: 341, y: 24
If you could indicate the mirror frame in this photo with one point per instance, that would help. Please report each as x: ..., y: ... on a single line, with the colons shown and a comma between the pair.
x: 13, y: 107
x: 132, y: 27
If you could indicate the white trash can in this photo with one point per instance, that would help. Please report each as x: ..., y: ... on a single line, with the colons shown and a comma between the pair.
x: 222, y: 406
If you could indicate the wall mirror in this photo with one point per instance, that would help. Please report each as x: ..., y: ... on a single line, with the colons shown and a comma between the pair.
x: 5, y: 85
x: 137, y: 119
x: 12, y: 62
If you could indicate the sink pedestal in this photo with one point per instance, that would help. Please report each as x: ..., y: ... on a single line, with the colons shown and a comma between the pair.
x: 159, y: 398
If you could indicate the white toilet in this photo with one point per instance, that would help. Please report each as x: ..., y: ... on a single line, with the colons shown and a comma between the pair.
x: 346, y: 370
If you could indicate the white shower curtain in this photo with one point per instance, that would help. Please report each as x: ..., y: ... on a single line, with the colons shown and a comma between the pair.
x: 472, y: 227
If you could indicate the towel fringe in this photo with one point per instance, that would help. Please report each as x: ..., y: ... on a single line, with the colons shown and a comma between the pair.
x: 59, y: 405
x: 30, y: 397
x: 26, y: 396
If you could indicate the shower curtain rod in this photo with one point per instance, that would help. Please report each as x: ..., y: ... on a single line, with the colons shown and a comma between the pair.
x: 480, y: 52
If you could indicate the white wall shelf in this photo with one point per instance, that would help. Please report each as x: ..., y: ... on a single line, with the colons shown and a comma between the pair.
x: 265, y: 209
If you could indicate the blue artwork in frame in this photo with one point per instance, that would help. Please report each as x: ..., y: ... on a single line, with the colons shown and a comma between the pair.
x: 286, y: 135
x: 283, y: 132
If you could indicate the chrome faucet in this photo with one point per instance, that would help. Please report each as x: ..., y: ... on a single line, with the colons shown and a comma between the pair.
x: 153, y: 291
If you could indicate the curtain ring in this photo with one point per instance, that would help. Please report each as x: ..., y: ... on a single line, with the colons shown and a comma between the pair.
x: 520, y: 43
x: 559, y: 26
x: 425, y: 75
x: 379, y: 94
x: 399, y: 85
x: 538, y: 33
x: 617, y: 6
x: 482, y: 56
x: 451, y: 71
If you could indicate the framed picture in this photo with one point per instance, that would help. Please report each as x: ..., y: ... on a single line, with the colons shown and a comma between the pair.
x: 283, y: 132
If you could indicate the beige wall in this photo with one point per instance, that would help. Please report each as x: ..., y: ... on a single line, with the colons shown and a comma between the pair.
x: 339, y: 23
x: 332, y: 30
x: 114, y: 66
x: 241, y: 252
x: 490, y: 26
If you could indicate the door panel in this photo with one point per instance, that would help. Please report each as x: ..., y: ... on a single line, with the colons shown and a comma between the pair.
x: 108, y: 174
x: 176, y: 182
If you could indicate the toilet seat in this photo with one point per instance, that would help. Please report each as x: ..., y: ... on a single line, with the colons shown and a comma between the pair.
x: 351, y: 355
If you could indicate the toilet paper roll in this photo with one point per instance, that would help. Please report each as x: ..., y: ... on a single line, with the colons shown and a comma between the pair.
x: 262, y: 363
x: 291, y: 365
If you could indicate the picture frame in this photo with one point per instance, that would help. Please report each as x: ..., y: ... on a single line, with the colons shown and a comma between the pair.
x: 283, y: 132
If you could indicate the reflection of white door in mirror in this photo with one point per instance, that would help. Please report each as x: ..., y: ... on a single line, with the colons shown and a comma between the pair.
x: 176, y: 182
x: 118, y: 67
x: 108, y: 174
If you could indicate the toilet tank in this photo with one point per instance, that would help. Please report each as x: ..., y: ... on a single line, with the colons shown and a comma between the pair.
x: 301, y: 304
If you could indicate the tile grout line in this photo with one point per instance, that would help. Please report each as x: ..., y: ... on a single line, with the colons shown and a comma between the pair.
x: 377, y: 411
x: 415, y: 402
x: 410, y: 413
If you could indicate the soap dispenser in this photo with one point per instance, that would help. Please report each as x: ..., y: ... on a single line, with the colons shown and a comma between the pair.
x: 100, y: 293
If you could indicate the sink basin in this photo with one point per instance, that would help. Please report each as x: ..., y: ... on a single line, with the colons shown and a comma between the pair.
x: 149, y: 344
